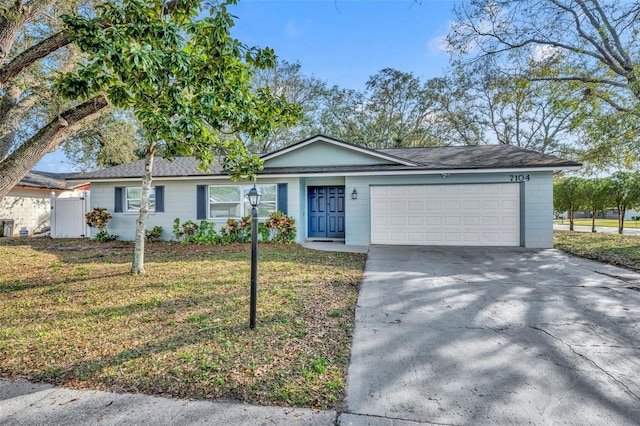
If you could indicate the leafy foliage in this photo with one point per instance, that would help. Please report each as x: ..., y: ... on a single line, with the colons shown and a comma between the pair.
x: 584, y: 53
x: 154, y: 234
x: 278, y: 228
x: 282, y: 227
x: 98, y: 218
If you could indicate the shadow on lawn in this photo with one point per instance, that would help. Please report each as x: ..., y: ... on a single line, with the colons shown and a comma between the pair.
x: 79, y: 251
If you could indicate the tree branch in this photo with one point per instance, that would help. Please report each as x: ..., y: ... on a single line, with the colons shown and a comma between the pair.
x: 20, y: 161
x: 31, y: 55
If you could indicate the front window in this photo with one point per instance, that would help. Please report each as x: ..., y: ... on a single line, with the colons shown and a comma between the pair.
x: 134, y: 199
x: 267, y: 203
x: 227, y: 201
x: 224, y: 201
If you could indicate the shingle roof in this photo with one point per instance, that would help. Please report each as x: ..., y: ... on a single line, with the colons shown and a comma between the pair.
x: 179, y: 167
x: 478, y: 157
x: 44, y: 180
x: 429, y: 158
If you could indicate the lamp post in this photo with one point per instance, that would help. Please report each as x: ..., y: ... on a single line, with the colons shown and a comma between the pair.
x: 254, y: 199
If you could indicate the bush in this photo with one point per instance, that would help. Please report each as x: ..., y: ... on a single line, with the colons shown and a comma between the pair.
x: 154, y: 234
x: 104, y: 237
x: 98, y: 218
x: 282, y: 227
x: 278, y: 227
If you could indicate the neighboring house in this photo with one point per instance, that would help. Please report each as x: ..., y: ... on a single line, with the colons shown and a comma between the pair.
x: 28, y: 204
x: 495, y: 195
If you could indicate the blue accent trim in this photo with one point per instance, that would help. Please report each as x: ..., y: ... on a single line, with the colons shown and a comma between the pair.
x: 282, y: 197
x: 118, y: 200
x: 201, y: 204
x: 159, y: 198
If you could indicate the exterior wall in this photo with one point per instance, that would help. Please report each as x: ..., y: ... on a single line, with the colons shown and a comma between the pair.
x: 29, y: 208
x: 536, y: 200
x: 322, y: 154
x: 179, y: 202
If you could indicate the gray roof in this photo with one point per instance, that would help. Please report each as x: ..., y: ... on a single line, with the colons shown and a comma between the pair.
x: 478, y: 157
x: 44, y: 180
x: 179, y: 167
x: 428, y: 158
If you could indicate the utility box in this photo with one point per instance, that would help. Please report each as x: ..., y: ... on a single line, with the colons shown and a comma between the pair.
x: 7, y: 227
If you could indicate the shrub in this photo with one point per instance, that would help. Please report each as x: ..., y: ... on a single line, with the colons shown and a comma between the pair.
x: 154, y: 234
x: 98, y: 218
x: 282, y: 227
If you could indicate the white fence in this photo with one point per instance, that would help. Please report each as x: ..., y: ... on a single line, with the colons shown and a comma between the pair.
x: 68, y: 217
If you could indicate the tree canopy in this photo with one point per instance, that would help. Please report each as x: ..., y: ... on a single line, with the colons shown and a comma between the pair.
x: 185, y: 78
x: 590, y: 46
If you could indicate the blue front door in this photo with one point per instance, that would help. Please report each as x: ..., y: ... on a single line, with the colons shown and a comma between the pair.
x: 326, y: 211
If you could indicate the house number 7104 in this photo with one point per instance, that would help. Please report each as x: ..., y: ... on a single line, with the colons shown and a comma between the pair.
x: 519, y: 178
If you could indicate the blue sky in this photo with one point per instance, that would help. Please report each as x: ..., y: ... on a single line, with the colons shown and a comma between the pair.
x: 342, y: 42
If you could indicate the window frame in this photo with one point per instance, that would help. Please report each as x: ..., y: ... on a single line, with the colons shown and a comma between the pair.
x: 126, y: 199
x: 242, y: 202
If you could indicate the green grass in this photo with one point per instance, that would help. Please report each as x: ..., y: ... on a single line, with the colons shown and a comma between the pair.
x: 72, y: 315
x: 612, y: 223
x: 615, y: 249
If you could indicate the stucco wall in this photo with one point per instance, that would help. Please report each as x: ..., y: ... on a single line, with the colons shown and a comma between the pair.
x: 179, y: 202
x: 537, y: 196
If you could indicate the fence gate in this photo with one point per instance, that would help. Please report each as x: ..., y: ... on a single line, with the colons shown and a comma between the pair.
x: 68, y: 217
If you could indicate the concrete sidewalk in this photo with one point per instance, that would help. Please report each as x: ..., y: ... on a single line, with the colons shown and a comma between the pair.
x: 29, y: 404
x: 602, y: 229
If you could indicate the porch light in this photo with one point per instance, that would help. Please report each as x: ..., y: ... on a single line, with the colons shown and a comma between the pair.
x: 254, y: 199
x: 354, y: 194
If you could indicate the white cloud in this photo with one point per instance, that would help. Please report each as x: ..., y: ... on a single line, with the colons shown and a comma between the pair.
x: 294, y: 29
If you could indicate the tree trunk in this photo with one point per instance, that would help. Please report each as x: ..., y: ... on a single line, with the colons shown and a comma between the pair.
x: 570, y: 214
x: 621, y: 213
x: 22, y: 160
x: 137, y: 267
x: 593, y: 220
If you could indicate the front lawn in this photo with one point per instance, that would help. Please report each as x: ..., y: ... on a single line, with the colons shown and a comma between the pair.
x: 620, y: 250
x: 71, y: 314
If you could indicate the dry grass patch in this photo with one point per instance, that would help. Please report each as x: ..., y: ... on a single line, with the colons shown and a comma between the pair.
x: 71, y: 314
x: 615, y: 249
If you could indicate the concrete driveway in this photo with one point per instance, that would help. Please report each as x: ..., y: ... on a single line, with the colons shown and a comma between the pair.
x: 494, y: 336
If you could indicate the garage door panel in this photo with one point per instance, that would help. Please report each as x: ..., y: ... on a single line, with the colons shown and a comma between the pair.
x: 415, y: 220
x: 434, y: 220
x: 471, y: 214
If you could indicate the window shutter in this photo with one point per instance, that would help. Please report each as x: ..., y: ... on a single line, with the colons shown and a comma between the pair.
x: 282, y: 198
x: 159, y: 198
x: 118, y: 200
x: 201, y: 203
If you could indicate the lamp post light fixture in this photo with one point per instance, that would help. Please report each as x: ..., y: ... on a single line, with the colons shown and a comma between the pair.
x: 254, y: 199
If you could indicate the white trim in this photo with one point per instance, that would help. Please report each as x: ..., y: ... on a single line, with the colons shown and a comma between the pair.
x: 340, y: 174
x: 341, y: 144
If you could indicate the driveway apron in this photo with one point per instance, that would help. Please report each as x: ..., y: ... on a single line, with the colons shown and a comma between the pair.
x: 466, y: 335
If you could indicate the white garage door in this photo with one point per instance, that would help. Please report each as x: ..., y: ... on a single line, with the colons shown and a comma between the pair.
x: 453, y: 215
